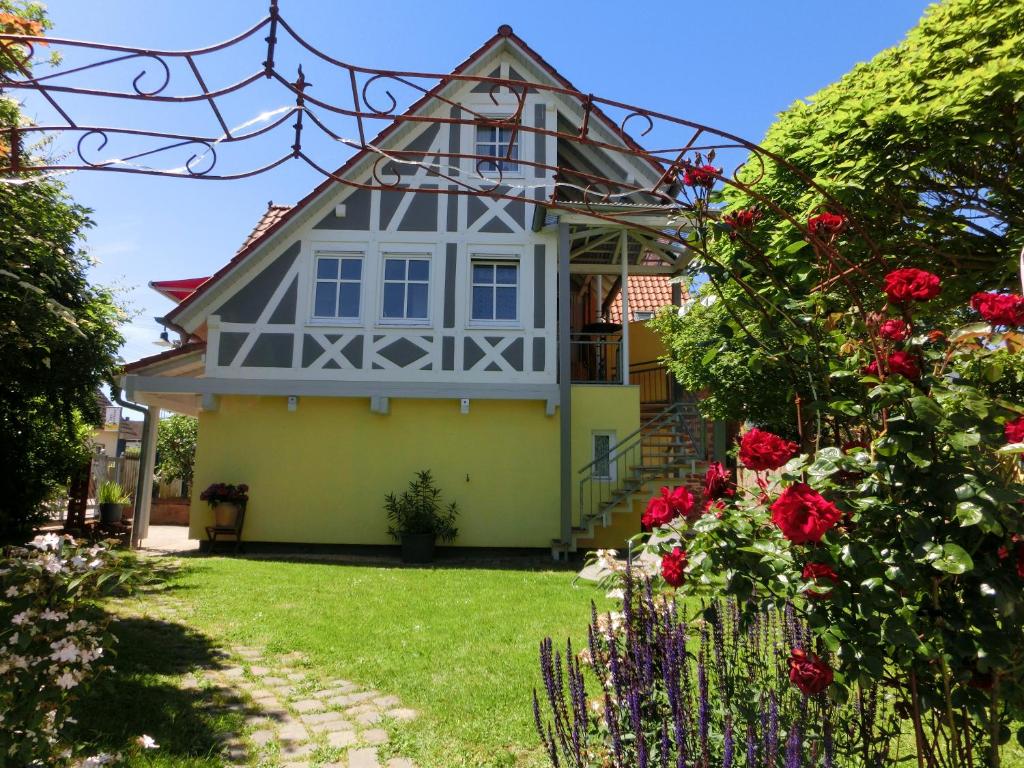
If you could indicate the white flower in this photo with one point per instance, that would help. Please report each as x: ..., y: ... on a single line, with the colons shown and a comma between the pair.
x: 13, y: 640
x: 49, y: 541
x: 95, y: 563
x: 67, y: 680
x: 65, y: 650
x: 21, y: 618
x: 77, y: 561
x: 53, y: 564
x: 95, y: 761
x: 147, y: 742
x: 52, y: 615
x: 616, y: 594
x: 11, y: 592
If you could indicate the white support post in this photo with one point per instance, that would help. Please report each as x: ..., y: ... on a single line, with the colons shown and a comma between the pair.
x: 147, y: 461
x: 624, y: 263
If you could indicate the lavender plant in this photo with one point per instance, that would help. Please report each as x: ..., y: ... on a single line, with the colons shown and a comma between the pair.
x: 656, y: 688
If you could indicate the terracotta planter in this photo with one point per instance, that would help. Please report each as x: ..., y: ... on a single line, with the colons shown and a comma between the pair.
x: 224, y: 514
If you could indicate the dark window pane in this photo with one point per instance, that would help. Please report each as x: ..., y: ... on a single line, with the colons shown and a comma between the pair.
x: 483, y: 303
x: 505, y: 302
x: 485, y: 133
x: 483, y: 273
x: 506, y: 274
x: 351, y: 269
x: 323, y: 302
x: 394, y: 298
x: 419, y: 269
x: 348, y: 300
x: 394, y: 269
x: 417, y: 301
x: 327, y: 268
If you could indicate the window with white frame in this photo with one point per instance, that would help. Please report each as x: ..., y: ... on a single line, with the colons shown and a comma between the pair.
x: 406, y: 288
x: 493, y: 141
x: 339, y: 279
x: 604, y: 460
x: 494, y: 290
x: 642, y: 316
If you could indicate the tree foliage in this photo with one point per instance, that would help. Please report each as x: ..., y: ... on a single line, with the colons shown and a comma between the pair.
x: 924, y: 148
x: 176, y: 448
x: 58, y: 337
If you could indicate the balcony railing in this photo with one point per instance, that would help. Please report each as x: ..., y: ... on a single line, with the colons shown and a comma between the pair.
x: 596, y: 358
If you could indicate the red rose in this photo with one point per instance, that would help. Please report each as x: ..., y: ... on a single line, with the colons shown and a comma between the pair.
x: 1020, y: 561
x: 906, y: 285
x: 804, y: 515
x: 673, y: 566
x: 1014, y: 430
x: 713, y: 506
x: 663, y: 509
x: 762, y: 450
x: 817, y: 572
x: 717, y: 481
x: 700, y: 175
x: 903, y: 363
x: 894, y: 330
x: 826, y: 224
x: 809, y: 673
x: 742, y: 220
x: 1000, y: 308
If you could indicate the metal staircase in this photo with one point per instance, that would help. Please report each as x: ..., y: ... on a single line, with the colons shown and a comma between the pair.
x: 667, y: 449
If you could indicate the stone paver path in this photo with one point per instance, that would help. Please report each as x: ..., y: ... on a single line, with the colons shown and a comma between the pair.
x: 296, y: 721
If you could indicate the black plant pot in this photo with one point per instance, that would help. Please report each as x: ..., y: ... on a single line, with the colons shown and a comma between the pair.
x: 417, y: 548
x: 111, y: 513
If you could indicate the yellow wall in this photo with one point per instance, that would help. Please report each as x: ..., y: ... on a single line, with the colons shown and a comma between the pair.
x: 319, y: 474
x: 597, y: 408
x: 644, y: 344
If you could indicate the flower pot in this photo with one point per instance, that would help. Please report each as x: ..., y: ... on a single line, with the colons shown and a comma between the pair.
x: 111, y: 513
x: 224, y: 514
x: 417, y: 548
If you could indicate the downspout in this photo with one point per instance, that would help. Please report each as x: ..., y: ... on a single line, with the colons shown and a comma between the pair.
x: 144, y: 484
x: 564, y: 290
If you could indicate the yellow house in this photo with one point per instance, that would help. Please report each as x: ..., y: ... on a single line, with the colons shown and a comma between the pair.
x: 365, y: 333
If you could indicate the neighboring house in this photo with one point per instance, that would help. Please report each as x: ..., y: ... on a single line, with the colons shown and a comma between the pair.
x: 116, y: 433
x: 361, y: 335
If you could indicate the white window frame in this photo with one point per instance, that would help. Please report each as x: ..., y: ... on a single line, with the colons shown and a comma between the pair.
x: 495, y: 258
x: 410, y: 255
x: 647, y: 315
x: 514, y: 169
x: 319, y: 253
x: 610, y: 434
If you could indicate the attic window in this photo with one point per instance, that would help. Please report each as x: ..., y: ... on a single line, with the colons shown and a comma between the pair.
x: 338, y: 282
x: 493, y: 141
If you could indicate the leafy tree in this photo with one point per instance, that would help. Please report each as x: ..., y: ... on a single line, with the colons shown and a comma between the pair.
x: 59, y: 336
x: 923, y: 146
x: 176, y: 448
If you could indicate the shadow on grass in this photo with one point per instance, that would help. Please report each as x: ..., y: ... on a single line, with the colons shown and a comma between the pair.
x: 143, y: 692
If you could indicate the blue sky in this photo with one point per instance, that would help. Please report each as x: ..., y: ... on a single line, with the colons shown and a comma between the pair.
x: 731, y: 65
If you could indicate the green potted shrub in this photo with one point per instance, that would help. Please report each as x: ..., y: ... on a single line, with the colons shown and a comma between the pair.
x: 419, y: 518
x: 226, y: 499
x: 112, y: 498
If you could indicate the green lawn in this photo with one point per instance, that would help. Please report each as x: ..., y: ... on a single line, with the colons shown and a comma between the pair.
x: 457, y: 644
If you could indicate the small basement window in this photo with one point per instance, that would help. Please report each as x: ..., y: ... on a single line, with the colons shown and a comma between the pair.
x: 604, y: 457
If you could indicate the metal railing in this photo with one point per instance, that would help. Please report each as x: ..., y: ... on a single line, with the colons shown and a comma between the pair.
x: 655, y: 382
x: 662, y: 446
x: 595, y: 358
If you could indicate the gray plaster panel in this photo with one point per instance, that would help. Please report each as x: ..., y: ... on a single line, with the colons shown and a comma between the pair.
x: 271, y: 350
x: 228, y: 346
x: 453, y: 211
x: 450, y: 263
x: 332, y: 337
x: 538, y: 355
x: 448, y: 353
x: 513, y: 355
x: 421, y: 215
x: 389, y: 200
x: 517, y: 209
x: 492, y: 366
x: 285, y: 312
x: 540, y: 141
x: 332, y: 365
x: 311, y: 350
x: 454, y: 131
x: 486, y: 87
x: 402, y: 352
x: 353, y: 352
x: 514, y: 75
x: 474, y: 209
x: 539, y: 276
x: 471, y: 353
x: 494, y: 340
x: 496, y: 225
x: 357, y: 213
x: 247, y: 305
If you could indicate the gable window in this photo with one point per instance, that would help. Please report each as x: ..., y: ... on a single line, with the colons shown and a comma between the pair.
x: 604, y: 458
x: 406, y: 288
x: 338, y: 286
x: 495, y: 290
x: 493, y: 141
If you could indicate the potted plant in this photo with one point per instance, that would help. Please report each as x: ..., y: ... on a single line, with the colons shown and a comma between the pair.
x: 225, y: 499
x: 112, y: 498
x: 419, y: 518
